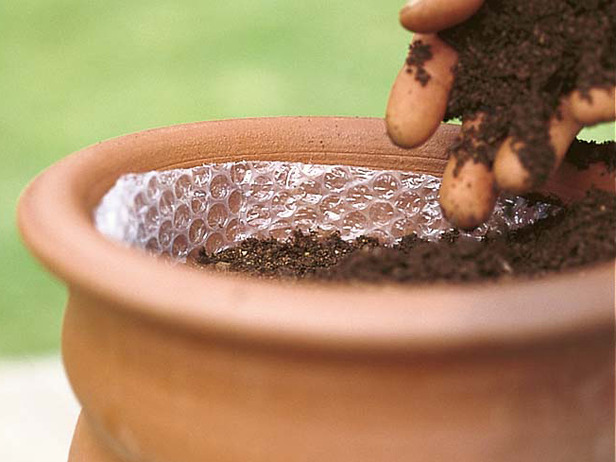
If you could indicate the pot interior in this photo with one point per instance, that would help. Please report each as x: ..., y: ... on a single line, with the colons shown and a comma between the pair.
x: 172, y: 212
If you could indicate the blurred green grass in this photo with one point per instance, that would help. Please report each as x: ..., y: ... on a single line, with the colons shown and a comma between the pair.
x: 74, y: 72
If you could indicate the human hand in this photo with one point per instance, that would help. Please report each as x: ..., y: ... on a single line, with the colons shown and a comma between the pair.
x: 418, y: 103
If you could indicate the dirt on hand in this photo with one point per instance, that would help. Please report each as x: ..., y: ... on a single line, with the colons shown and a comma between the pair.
x: 517, y: 59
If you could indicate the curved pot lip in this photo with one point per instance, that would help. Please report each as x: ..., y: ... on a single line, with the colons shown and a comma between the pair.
x: 343, y: 317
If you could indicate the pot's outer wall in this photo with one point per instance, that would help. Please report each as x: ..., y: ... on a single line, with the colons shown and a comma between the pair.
x: 175, y: 366
x: 162, y: 395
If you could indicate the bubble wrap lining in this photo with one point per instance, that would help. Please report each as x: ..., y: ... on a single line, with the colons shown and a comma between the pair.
x: 172, y: 212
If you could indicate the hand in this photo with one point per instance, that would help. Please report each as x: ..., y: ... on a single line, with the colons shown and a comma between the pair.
x: 416, y: 109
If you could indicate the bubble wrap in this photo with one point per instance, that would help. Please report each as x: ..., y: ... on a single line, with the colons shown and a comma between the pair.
x: 172, y: 212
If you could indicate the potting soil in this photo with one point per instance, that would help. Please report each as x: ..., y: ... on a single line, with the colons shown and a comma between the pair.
x: 577, y: 235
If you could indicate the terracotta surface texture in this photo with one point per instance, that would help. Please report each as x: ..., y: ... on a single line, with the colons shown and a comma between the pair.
x: 175, y: 365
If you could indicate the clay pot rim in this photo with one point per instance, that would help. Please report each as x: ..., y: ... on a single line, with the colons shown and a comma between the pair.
x: 369, y: 319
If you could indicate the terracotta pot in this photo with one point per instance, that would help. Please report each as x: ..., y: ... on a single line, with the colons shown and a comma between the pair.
x: 178, y: 366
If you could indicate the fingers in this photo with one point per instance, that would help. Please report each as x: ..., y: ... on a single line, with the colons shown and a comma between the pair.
x: 599, y: 106
x: 512, y: 176
x: 429, y: 16
x: 468, y: 193
x: 415, y: 110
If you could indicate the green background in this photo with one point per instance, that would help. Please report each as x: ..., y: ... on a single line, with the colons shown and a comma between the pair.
x: 74, y: 72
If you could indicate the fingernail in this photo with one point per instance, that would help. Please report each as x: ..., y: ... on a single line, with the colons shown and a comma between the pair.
x: 412, y: 3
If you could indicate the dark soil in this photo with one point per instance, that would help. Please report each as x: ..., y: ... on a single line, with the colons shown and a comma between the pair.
x: 517, y: 58
x: 583, y: 154
x: 576, y: 235
x: 419, y: 54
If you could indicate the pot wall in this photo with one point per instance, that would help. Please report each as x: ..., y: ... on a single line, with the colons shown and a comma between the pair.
x: 172, y: 365
x: 156, y: 393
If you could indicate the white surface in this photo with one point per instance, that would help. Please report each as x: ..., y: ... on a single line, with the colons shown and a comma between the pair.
x: 38, y: 411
